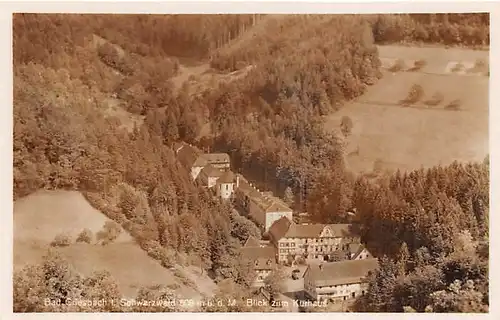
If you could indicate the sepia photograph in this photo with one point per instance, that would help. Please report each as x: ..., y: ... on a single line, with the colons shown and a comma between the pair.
x: 253, y: 162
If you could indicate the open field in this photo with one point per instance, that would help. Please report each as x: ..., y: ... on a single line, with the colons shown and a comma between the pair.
x: 419, y: 134
x: 437, y: 59
x: 42, y: 215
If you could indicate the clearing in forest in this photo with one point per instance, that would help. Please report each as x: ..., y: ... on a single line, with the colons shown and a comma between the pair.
x: 39, y: 217
x: 419, y: 118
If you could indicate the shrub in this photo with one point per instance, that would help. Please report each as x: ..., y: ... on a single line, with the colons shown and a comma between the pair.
x: 183, y: 278
x: 61, y: 240
x: 454, y: 105
x: 479, y: 66
x: 174, y: 286
x: 300, y: 261
x: 416, y: 94
x: 417, y: 65
x: 398, y: 65
x: 109, y: 233
x: 457, y: 67
x: 346, y: 125
x: 436, y: 99
x: 165, y: 256
x: 85, y: 236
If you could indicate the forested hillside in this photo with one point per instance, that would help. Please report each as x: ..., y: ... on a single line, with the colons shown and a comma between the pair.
x: 67, y: 68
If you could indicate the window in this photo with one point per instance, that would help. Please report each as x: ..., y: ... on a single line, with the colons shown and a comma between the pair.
x: 227, y: 187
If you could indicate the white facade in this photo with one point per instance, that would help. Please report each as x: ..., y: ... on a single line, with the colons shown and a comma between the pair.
x: 364, y: 254
x: 212, y: 181
x: 312, y: 248
x: 273, y: 216
x: 341, y: 292
x: 225, y: 190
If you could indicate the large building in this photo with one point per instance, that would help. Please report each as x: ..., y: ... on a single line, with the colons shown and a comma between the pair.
x: 226, y: 185
x: 209, y: 175
x: 263, y: 257
x: 220, y: 161
x: 338, y: 281
x: 190, y: 157
x: 261, y: 207
x: 195, y: 160
x: 311, y: 241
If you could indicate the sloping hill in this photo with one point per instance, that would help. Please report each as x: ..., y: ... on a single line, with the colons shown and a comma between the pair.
x: 39, y: 217
x: 407, y: 137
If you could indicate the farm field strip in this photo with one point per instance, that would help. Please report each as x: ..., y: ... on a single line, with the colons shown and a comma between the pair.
x: 420, y: 134
x: 442, y: 61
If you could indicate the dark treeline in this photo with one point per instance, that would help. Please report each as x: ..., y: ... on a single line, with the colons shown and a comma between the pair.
x: 432, y: 226
x: 66, y: 67
x: 456, y: 29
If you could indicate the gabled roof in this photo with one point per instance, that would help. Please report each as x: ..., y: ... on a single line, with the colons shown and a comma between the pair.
x: 252, y: 242
x: 278, y: 207
x: 355, y: 249
x: 263, y: 293
x: 341, y: 229
x: 200, y: 161
x: 264, y: 258
x: 210, y: 171
x: 279, y: 228
x: 227, y: 177
x: 217, y: 158
x: 313, y: 230
x: 304, y: 231
x: 343, y: 272
x: 188, y: 155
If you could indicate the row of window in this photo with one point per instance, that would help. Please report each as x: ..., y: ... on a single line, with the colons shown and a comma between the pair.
x: 287, y: 244
x: 319, y: 240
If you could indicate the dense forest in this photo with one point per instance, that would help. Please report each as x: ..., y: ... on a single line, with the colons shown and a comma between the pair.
x: 68, y: 66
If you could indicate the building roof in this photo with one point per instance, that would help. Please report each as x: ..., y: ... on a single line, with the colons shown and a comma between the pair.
x: 278, y: 207
x: 263, y: 257
x: 227, y: 177
x: 200, y: 161
x: 252, y: 242
x: 314, y: 230
x: 343, y: 272
x: 279, y: 228
x: 188, y: 155
x: 217, y: 158
x: 265, y: 200
x: 355, y: 249
x: 210, y: 171
x: 342, y: 229
x: 263, y: 293
x: 284, y: 229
